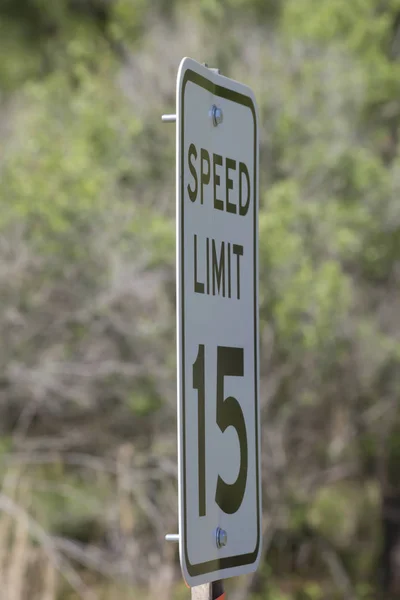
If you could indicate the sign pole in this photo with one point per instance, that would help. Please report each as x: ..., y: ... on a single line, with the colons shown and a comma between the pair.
x: 208, y: 591
x: 215, y: 589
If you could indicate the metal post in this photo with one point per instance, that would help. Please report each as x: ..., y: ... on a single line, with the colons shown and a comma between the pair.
x: 215, y: 589
x: 208, y: 591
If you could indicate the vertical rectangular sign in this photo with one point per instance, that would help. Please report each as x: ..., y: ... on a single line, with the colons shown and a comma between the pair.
x: 217, y: 312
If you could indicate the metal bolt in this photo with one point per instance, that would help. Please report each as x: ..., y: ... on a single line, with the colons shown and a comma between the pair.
x: 216, y: 115
x: 221, y: 537
x: 172, y: 537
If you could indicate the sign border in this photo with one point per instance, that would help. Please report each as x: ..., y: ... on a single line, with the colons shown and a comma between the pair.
x: 220, y: 564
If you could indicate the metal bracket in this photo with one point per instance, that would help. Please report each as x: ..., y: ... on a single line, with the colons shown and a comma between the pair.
x: 217, y: 71
x: 217, y: 117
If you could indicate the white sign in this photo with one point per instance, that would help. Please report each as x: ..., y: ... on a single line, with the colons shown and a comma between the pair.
x: 217, y: 309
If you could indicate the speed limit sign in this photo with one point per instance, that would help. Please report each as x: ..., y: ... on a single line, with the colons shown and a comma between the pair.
x: 217, y: 314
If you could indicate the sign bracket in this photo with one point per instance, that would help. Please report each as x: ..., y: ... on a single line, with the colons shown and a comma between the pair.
x: 168, y: 118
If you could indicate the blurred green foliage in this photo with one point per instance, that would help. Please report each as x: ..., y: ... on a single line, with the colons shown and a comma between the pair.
x: 87, y: 174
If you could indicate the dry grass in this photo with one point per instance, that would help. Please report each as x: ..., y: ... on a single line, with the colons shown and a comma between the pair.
x: 32, y: 566
x: 26, y: 571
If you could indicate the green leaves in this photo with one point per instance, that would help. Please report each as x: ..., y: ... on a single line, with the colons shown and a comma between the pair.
x: 69, y: 148
x: 87, y: 240
x: 302, y: 283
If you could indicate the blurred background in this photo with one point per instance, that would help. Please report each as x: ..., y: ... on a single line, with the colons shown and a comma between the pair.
x: 87, y: 293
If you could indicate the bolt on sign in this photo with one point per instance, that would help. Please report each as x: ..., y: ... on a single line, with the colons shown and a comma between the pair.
x: 217, y: 314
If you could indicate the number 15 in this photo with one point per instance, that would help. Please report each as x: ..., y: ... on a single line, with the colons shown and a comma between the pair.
x: 230, y: 363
